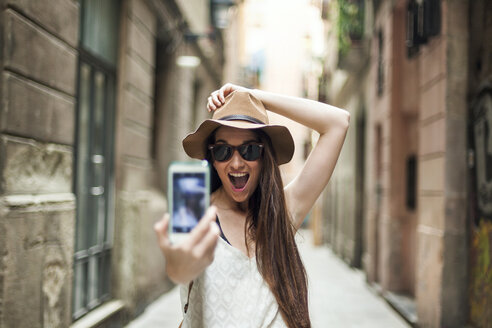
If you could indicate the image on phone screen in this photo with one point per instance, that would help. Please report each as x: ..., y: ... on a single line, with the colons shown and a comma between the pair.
x: 189, y: 201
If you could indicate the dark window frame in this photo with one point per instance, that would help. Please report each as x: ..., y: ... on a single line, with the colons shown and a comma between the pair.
x: 411, y: 177
x: 380, y: 63
x: 93, y: 181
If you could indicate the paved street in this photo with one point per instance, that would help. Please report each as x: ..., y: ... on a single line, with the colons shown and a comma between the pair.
x: 339, y: 296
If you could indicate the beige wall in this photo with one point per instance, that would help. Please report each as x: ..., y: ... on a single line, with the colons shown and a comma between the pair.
x: 415, y: 252
x: 234, y: 47
x: 137, y: 276
x: 38, y: 75
x: 344, y: 79
x: 432, y: 148
x: 159, y: 103
x: 420, y: 253
x: 38, y: 65
x: 197, y: 14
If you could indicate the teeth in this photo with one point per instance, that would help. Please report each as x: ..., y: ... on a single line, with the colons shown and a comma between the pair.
x: 238, y: 175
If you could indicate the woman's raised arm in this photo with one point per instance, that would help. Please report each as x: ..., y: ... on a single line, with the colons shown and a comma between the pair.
x: 329, y: 121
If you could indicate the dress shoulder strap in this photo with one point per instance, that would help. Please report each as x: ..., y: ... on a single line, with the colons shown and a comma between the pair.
x: 187, y: 302
x: 221, y: 232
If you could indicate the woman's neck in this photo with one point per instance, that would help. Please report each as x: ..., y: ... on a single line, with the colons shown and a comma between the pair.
x: 222, y: 200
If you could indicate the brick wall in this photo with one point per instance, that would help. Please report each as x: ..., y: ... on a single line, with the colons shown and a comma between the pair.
x: 157, y: 102
x: 37, y: 91
x: 38, y: 74
x: 138, y: 268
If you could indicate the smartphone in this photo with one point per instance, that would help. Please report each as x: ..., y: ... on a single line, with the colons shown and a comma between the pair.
x: 188, y: 196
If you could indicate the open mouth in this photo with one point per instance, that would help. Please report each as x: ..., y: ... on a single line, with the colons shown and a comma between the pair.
x: 238, y: 180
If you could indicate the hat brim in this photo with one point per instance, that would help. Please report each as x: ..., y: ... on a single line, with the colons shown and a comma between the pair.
x: 195, y: 144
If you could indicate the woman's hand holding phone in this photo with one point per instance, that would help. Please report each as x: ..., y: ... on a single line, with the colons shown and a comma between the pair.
x: 188, y: 259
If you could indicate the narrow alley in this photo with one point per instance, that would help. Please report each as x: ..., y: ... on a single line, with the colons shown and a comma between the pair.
x: 339, y: 296
x: 97, y: 97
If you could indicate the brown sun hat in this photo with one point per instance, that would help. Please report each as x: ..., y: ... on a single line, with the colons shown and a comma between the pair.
x: 243, y: 111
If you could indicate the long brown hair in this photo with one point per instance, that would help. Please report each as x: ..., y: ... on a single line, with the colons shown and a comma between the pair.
x: 269, y: 225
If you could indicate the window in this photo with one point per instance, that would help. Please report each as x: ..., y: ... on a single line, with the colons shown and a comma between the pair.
x: 411, y: 198
x: 423, y: 22
x: 93, y: 182
x: 380, y: 73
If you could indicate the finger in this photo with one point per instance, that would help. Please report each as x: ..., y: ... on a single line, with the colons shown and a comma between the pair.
x: 161, y: 230
x: 202, y: 228
x: 215, y: 99
x: 210, y: 105
x: 162, y: 224
x: 206, y: 246
x: 227, y: 89
x: 221, y: 95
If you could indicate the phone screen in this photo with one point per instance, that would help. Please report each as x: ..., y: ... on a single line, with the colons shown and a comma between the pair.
x: 189, y: 200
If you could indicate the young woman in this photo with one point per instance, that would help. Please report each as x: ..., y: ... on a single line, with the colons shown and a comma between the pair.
x: 242, y: 258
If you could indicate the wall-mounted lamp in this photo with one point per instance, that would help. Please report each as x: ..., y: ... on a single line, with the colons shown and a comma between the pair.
x: 188, y: 61
x: 220, y: 12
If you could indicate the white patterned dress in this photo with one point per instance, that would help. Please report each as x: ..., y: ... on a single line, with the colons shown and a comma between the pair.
x: 231, y: 293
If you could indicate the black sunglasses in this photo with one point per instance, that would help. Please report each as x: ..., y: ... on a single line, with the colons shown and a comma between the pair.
x: 222, y: 152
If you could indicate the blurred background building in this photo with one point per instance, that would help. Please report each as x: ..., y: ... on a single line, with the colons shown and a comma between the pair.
x: 409, y: 202
x: 95, y: 97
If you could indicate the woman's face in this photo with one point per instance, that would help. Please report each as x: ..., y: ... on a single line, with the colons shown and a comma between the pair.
x: 239, y: 177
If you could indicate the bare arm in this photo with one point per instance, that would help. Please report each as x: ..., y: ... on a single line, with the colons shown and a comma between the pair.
x: 329, y: 121
x: 332, y: 124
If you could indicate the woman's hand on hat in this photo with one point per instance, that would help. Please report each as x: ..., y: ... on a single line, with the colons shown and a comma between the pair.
x: 217, y: 98
x: 188, y: 259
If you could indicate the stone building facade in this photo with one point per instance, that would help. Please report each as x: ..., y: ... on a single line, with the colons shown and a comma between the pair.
x: 93, y: 104
x: 414, y: 158
x: 479, y: 216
